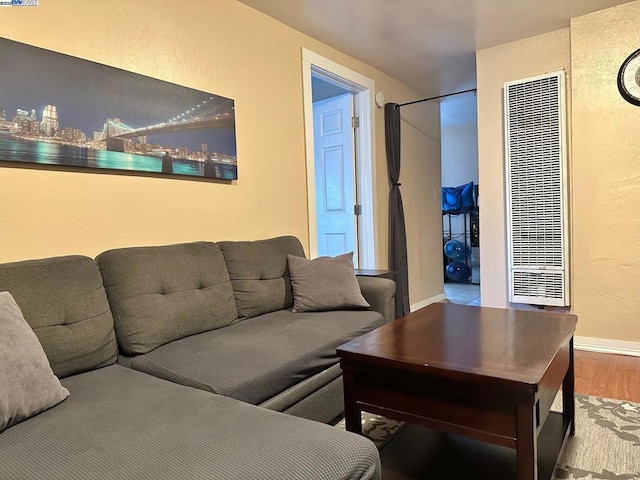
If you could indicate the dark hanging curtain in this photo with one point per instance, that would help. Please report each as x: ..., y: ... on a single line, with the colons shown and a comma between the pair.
x: 397, y: 233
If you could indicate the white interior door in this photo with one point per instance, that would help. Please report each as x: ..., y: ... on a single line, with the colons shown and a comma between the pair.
x: 335, y: 176
x: 361, y: 89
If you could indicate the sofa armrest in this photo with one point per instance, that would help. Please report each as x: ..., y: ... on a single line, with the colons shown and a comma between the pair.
x: 381, y: 295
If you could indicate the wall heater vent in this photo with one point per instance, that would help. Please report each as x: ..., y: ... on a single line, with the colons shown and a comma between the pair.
x: 536, y: 169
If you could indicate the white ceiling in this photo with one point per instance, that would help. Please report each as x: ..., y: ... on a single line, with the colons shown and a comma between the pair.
x: 427, y: 44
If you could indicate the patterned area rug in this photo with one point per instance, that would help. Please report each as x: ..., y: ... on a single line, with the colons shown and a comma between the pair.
x: 606, y: 445
x: 607, y: 441
x: 377, y: 428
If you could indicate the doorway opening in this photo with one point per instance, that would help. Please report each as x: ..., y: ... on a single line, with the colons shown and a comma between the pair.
x: 460, y: 227
x: 339, y: 134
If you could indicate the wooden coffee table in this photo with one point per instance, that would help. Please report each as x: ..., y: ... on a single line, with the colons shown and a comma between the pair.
x: 485, y: 373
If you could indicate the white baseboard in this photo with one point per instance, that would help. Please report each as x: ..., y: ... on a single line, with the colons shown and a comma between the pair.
x: 605, y: 345
x: 423, y: 303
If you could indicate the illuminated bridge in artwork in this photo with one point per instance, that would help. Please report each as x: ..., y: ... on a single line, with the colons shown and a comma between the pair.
x: 203, y: 116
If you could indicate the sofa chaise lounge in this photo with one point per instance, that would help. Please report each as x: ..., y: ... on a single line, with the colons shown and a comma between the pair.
x: 163, y: 367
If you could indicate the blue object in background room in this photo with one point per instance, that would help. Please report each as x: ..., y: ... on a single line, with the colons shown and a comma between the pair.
x: 457, y: 200
x: 457, y: 271
x: 455, y: 250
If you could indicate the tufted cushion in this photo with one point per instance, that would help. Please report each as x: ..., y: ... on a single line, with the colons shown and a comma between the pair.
x: 161, y: 294
x: 259, y: 274
x: 64, y: 302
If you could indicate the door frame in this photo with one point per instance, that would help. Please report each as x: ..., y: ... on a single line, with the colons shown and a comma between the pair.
x: 363, y: 89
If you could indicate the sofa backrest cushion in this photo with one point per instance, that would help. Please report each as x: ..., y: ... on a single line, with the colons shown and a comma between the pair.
x: 259, y: 273
x: 161, y: 294
x: 65, y: 304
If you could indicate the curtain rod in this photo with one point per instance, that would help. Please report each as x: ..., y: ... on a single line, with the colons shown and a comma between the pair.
x: 435, y: 98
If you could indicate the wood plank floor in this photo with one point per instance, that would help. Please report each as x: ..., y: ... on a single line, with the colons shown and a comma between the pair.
x: 606, y: 375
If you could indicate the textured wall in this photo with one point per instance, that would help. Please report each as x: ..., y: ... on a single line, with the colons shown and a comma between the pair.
x: 420, y: 178
x: 459, y: 154
x: 232, y: 50
x: 495, y: 66
x: 606, y: 177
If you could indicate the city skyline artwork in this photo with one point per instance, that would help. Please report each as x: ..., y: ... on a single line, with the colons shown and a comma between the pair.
x: 56, y: 109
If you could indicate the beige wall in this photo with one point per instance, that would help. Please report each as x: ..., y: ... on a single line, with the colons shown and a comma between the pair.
x: 604, y: 177
x: 459, y: 154
x: 420, y: 178
x: 495, y: 66
x: 224, y: 47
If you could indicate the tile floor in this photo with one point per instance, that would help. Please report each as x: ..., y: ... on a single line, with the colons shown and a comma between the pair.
x: 463, y: 293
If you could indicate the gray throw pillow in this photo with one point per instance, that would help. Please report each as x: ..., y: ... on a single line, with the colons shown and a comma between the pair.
x: 324, y: 283
x: 27, y: 383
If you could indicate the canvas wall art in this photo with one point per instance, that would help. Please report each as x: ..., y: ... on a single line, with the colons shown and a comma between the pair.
x: 60, y: 110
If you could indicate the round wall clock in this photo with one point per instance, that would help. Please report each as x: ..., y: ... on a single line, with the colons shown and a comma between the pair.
x: 629, y: 78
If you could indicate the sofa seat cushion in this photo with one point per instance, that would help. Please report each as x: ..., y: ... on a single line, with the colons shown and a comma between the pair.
x: 257, y: 358
x: 119, y: 423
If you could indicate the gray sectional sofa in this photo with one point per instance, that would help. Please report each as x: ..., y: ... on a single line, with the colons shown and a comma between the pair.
x: 168, y: 353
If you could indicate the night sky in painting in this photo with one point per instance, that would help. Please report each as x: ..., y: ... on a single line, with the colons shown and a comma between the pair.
x: 87, y: 93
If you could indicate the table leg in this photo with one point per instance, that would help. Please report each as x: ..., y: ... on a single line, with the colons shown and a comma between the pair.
x: 352, y: 414
x: 527, y: 443
x: 568, y: 393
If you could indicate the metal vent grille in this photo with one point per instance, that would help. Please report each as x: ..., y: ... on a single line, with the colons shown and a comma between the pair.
x: 536, y: 188
x: 544, y: 288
